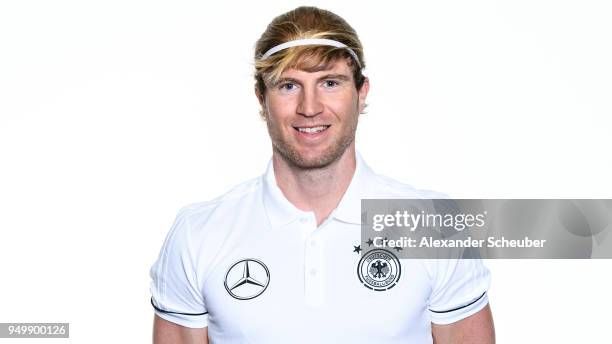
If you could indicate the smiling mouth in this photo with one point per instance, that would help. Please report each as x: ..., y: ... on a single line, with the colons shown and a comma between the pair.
x: 312, y: 130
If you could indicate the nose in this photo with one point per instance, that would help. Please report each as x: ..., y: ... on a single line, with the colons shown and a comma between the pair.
x: 309, y: 105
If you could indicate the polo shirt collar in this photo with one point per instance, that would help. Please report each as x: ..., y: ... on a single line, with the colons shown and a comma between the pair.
x: 361, y: 187
x: 281, y: 212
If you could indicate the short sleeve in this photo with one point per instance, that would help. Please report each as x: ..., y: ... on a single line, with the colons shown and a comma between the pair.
x: 175, y: 294
x: 459, y: 289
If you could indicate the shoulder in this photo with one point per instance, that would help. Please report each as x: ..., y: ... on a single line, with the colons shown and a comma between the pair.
x: 238, y: 194
x: 200, y: 227
x: 196, y: 216
x: 386, y: 187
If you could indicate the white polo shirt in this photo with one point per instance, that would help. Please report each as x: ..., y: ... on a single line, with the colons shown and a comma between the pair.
x: 255, y: 269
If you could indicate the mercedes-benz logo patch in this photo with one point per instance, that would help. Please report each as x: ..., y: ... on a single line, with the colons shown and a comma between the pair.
x: 247, y: 279
x: 379, y: 270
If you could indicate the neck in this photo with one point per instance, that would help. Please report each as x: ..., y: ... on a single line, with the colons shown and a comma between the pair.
x: 319, y: 189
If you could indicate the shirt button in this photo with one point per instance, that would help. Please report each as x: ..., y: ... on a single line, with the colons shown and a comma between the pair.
x: 313, y: 243
x: 313, y: 272
x: 304, y: 220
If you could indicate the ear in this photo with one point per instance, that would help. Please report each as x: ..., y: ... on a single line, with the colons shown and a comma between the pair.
x: 363, y: 94
x: 260, y: 97
x: 262, y: 102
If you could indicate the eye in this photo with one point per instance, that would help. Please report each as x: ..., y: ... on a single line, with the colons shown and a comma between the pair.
x: 287, y: 86
x: 330, y: 83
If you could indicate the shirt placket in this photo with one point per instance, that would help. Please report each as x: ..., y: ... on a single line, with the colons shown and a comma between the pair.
x: 314, y: 268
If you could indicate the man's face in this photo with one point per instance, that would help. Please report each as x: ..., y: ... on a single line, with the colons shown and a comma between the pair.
x: 312, y: 117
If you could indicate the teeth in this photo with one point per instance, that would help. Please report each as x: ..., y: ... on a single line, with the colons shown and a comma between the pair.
x: 313, y: 129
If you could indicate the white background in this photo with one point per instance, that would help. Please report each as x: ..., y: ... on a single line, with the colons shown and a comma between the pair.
x: 114, y: 114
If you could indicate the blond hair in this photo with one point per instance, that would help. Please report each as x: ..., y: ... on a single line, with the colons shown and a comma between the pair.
x: 303, y: 23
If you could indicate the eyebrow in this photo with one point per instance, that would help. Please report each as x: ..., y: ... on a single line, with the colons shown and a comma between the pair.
x: 335, y: 76
x: 342, y: 77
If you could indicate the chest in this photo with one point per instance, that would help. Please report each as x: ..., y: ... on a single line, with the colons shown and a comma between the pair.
x: 274, y: 285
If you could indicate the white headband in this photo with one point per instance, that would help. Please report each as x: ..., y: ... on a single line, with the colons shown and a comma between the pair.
x: 310, y: 41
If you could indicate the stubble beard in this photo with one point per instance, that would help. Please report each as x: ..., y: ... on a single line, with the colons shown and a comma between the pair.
x: 292, y: 156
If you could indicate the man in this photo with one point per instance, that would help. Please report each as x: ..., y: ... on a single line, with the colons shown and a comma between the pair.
x: 274, y: 259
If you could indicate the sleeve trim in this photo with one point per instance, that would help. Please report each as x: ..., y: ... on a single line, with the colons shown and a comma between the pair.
x: 458, y: 308
x: 169, y: 312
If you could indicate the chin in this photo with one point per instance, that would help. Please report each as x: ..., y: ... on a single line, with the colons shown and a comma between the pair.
x: 312, y: 159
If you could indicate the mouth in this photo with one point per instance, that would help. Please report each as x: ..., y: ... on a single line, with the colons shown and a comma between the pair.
x: 312, y: 129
